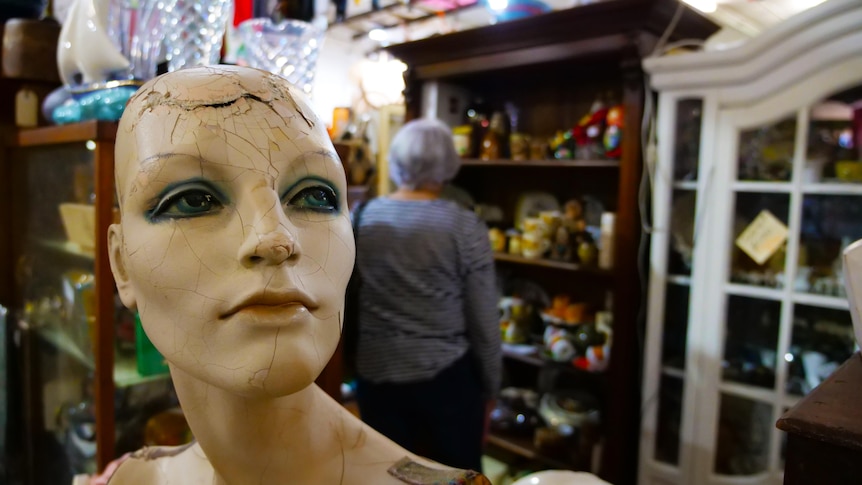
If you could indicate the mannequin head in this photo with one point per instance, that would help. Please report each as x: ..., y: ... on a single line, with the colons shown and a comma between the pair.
x: 234, y: 245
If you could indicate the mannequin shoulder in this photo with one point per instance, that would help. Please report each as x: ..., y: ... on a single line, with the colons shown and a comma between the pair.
x: 375, y: 459
x: 165, y: 465
x: 413, y: 472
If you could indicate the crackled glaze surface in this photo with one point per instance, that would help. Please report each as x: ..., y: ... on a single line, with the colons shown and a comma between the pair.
x: 235, y: 246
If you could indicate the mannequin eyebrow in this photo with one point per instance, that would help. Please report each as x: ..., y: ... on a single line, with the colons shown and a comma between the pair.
x: 303, y: 157
x: 153, y: 159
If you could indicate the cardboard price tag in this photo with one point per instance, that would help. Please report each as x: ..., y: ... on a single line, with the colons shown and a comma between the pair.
x: 762, y: 237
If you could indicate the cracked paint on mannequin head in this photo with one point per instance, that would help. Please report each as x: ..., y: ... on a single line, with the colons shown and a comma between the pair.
x: 235, y: 245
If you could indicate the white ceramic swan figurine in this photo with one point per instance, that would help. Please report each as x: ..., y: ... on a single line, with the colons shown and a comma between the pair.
x: 85, y: 46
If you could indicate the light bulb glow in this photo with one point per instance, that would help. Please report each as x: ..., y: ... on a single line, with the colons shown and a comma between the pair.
x: 498, y: 5
x: 378, y: 34
x: 707, y: 6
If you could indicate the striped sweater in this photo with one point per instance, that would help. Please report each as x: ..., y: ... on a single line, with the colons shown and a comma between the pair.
x: 428, y: 292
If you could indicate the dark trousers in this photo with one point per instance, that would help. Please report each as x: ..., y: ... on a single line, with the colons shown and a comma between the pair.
x: 441, y: 419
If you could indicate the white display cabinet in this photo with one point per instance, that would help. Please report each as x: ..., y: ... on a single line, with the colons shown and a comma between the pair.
x: 759, y: 141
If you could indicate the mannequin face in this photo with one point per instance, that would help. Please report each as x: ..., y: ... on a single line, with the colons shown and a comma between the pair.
x: 235, y: 245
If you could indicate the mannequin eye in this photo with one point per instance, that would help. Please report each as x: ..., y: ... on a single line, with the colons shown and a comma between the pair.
x: 187, y: 201
x: 319, y: 198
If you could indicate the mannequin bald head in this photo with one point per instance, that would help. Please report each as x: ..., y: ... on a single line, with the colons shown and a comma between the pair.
x: 234, y: 245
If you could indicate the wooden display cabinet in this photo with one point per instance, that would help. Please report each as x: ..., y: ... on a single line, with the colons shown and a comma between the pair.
x: 83, y: 401
x: 736, y: 337
x: 552, y: 67
x: 77, y: 378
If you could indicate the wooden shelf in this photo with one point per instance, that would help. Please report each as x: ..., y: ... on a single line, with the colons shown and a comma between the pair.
x: 523, y: 446
x: 536, y: 359
x: 71, y: 133
x: 536, y: 67
x: 550, y: 263
x: 474, y: 162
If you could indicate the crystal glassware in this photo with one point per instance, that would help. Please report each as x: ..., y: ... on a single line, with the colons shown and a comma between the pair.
x: 289, y: 48
x: 181, y: 32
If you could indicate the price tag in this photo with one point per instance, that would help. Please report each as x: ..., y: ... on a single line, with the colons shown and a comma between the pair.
x: 762, y: 237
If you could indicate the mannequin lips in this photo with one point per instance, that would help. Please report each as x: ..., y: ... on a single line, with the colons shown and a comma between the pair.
x: 272, y: 308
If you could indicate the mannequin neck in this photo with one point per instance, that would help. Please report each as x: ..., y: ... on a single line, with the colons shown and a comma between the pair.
x: 264, y: 440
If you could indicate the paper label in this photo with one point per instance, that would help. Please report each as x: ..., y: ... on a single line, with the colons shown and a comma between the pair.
x: 762, y: 237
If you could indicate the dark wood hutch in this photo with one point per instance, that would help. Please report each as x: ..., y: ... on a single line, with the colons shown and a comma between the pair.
x: 552, y: 66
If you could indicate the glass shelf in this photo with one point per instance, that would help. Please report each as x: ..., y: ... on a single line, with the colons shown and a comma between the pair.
x: 66, y: 247
x: 126, y: 374
x: 125, y: 370
x: 65, y: 344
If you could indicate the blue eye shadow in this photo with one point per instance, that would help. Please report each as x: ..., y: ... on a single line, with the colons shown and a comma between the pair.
x: 315, y: 178
x: 150, y: 214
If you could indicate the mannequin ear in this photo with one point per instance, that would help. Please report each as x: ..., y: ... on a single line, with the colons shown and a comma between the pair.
x: 118, y: 266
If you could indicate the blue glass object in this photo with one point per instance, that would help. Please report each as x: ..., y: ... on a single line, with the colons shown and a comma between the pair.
x: 101, y: 104
x: 518, y: 9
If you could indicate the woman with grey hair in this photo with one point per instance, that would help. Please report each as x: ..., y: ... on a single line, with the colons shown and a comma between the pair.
x: 428, y: 356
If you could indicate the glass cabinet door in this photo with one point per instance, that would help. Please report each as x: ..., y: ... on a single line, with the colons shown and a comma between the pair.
x: 56, y: 193
x: 56, y: 285
x: 796, y: 203
x: 671, y: 282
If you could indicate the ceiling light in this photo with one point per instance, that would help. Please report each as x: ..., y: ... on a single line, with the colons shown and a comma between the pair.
x: 806, y: 4
x: 707, y: 6
x: 378, y: 34
x: 498, y: 5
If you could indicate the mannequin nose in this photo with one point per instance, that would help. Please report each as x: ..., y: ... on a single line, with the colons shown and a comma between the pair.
x: 268, y: 240
x: 269, y: 248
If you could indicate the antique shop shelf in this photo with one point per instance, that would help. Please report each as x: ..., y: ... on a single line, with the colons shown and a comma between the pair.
x: 125, y: 370
x: 523, y: 446
x: 66, y: 247
x: 126, y: 374
x: 76, y: 132
x: 62, y: 342
x: 550, y: 263
x: 475, y: 162
x: 536, y: 359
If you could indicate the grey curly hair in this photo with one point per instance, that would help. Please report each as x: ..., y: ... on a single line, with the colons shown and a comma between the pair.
x: 422, y: 153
